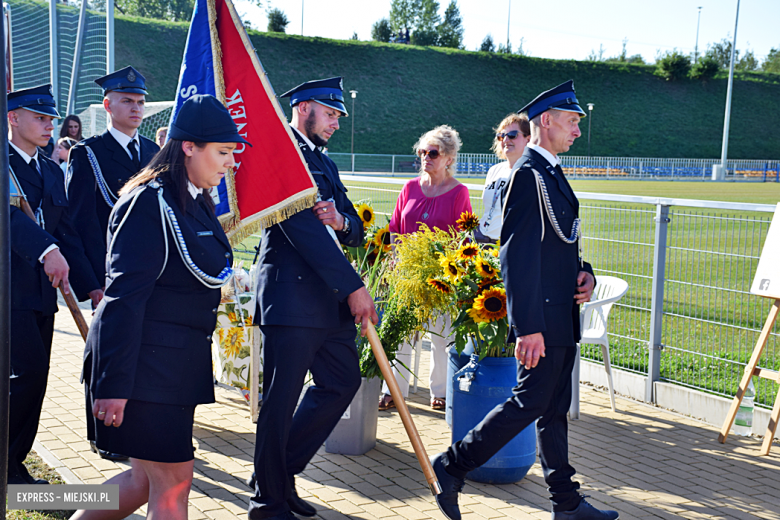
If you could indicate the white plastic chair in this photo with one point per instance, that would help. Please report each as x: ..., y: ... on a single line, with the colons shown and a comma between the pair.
x: 593, y: 324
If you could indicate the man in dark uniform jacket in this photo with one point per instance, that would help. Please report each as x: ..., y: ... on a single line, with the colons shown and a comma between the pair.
x: 99, y: 166
x: 309, y: 300
x: 38, y: 265
x: 546, y: 281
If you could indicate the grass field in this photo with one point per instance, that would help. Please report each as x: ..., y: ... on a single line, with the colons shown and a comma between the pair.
x: 38, y: 469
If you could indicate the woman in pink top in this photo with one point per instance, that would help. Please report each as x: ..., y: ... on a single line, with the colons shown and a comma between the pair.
x: 435, y: 198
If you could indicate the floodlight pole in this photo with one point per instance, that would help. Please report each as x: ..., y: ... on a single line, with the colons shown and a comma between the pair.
x: 719, y: 171
x: 109, y: 36
x: 508, y: 13
x: 696, y: 49
x: 54, y: 55
x: 590, y: 118
x: 302, y: 17
x: 5, y: 284
x: 352, y: 146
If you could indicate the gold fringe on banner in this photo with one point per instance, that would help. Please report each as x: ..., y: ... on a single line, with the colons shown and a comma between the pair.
x: 233, y: 217
x: 271, y: 216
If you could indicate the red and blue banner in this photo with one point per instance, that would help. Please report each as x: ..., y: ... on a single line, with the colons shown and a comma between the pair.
x: 270, y: 181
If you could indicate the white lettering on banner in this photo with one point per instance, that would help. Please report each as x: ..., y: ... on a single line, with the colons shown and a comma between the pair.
x: 189, y: 91
x: 237, y: 113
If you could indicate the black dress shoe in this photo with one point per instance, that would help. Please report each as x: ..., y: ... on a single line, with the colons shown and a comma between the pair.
x: 447, y: 500
x: 299, y: 506
x: 114, y: 457
x: 585, y: 511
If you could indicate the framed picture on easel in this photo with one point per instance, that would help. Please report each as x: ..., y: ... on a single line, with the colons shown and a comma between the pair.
x: 766, y: 283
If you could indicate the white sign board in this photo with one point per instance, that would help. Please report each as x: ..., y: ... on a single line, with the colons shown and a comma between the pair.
x: 767, y: 280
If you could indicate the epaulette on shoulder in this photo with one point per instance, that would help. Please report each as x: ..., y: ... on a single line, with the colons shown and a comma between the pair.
x: 87, y: 142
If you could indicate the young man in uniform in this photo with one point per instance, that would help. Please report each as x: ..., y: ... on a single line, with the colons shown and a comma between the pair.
x: 100, y: 165
x: 39, y: 249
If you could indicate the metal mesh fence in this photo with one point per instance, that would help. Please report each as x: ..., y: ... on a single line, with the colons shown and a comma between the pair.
x: 92, y: 62
x: 711, y: 321
x: 31, y: 48
x: 29, y: 43
x: 156, y: 114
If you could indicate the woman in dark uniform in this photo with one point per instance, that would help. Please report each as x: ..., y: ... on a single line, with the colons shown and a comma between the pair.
x: 148, y: 356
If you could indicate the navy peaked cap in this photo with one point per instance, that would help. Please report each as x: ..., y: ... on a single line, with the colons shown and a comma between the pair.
x: 561, y: 97
x: 125, y: 80
x: 328, y: 92
x: 202, y: 118
x: 37, y: 99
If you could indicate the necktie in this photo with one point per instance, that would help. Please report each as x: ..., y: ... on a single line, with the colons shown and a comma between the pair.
x: 34, y: 166
x: 134, y: 154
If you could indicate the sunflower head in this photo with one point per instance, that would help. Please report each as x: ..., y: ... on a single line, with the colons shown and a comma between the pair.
x: 451, y: 268
x: 439, y: 285
x: 485, y: 269
x: 476, y: 315
x: 366, y: 214
x: 468, y: 221
x: 491, y: 304
x: 382, y: 239
x: 468, y: 251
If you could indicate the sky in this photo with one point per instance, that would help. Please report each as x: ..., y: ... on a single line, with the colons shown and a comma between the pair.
x: 563, y: 29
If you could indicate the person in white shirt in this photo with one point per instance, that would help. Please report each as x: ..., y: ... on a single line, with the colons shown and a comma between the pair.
x: 512, y: 136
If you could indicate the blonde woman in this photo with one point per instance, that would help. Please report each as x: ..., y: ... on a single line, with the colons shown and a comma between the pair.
x: 512, y: 136
x: 435, y: 198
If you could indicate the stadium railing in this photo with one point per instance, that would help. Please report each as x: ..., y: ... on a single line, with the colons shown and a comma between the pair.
x: 578, y: 167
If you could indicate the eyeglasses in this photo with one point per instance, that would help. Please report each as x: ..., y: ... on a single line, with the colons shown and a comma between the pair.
x: 510, y: 135
x: 432, y: 154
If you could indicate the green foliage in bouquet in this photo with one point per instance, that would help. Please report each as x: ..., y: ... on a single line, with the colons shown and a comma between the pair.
x: 451, y: 272
x: 371, y: 260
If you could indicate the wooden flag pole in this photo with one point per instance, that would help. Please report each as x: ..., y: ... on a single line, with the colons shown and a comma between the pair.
x: 403, y: 410
x: 73, y: 307
x: 752, y: 370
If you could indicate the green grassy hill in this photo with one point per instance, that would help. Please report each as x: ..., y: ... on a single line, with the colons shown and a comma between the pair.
x: 405, y: 90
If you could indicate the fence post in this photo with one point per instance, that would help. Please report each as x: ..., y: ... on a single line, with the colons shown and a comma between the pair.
x: 392, y: 168
x: 655, y: 344
x: 353, y: 163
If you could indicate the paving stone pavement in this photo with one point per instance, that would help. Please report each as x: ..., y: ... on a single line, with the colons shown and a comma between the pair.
x: 642, y: 461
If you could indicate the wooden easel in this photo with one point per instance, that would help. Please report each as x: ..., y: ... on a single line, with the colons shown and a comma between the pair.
x: 752, y: 370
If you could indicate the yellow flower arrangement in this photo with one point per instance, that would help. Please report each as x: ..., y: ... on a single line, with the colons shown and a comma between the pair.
x: 417, y: 261
x: 366, y: 214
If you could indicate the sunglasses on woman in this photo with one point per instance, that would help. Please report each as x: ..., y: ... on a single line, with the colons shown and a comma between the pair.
x: 510, y: 135
x: 432, y: 154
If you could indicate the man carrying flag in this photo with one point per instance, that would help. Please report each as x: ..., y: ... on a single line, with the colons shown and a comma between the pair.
x: 309, y: 299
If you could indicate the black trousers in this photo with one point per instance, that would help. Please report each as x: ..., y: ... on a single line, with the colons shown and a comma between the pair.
x: 286, y: 442
x: 31, y: 337
x: 542, y: 393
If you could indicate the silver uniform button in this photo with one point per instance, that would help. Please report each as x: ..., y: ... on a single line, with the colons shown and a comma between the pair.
x: 208, y: 337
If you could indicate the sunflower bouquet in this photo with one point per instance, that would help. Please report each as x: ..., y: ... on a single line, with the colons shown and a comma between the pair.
x: 469, y: 277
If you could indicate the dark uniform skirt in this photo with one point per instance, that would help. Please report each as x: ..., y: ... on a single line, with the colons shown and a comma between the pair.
x: 149, y: 431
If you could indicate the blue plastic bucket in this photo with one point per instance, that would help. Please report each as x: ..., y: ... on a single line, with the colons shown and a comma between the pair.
x: 454, y: 363
x: 491, y: 385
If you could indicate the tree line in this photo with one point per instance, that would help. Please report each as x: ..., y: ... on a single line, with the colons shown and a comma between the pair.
x: 418, y: 22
